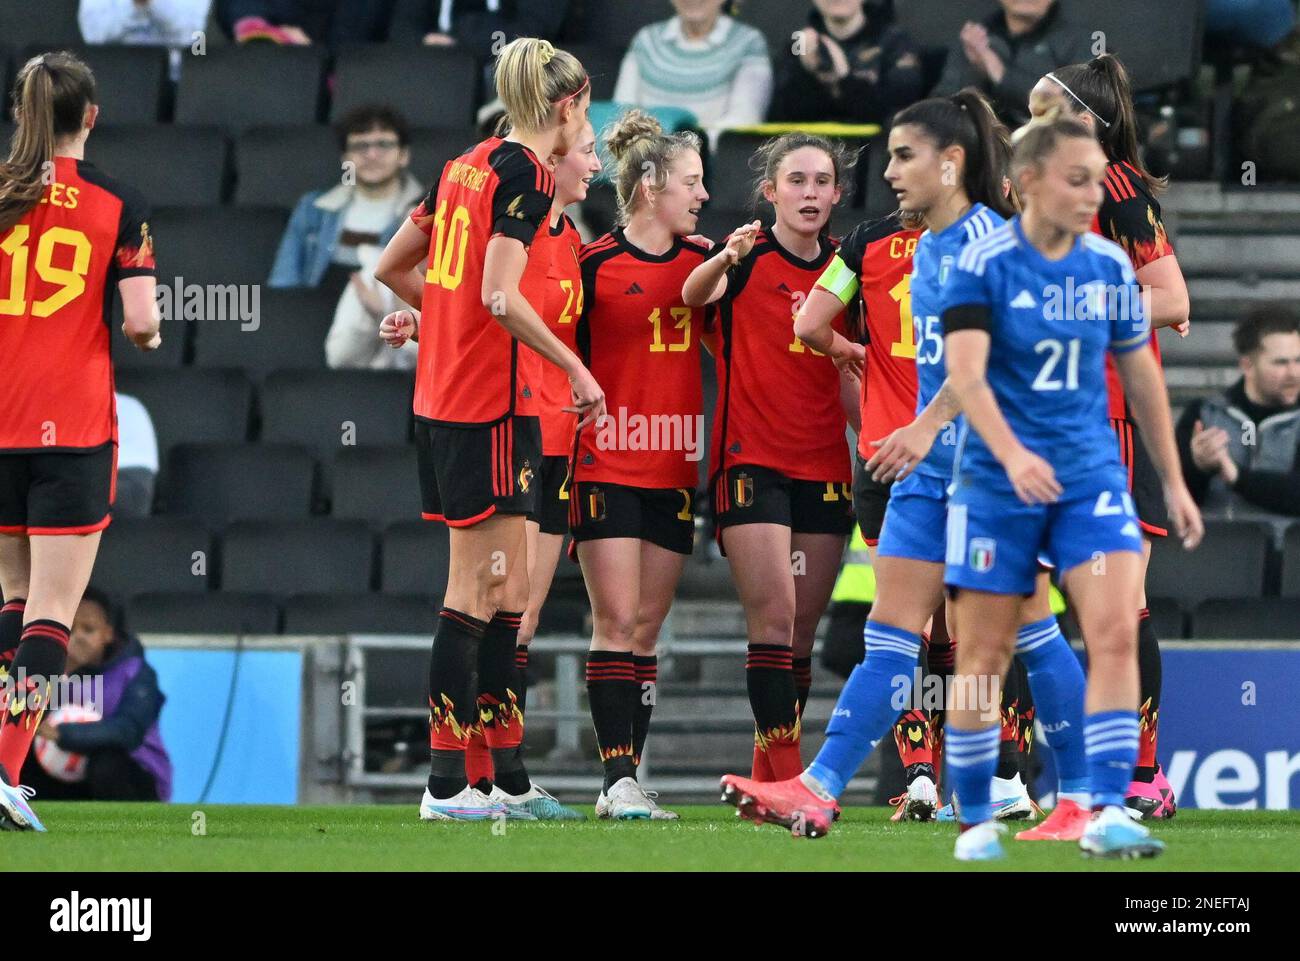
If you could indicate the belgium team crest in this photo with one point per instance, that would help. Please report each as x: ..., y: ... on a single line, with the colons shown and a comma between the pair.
x: 525, y: 477
x: 743, y: 492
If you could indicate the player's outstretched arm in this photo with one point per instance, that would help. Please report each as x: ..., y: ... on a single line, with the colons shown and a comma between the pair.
x: 502, y: 269
x: 399, y: 265
x: 967, y: 351
x: 1144, y: 386
x: 907, y: 446
x: 812, y: 325
x: 708, y: 282
x: 141, y: 321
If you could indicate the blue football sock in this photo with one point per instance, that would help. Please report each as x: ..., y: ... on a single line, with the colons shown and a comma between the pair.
x: 1057, y: 682
x: 1111, y: 739
x: 971, y: 758
x: 876, y: 691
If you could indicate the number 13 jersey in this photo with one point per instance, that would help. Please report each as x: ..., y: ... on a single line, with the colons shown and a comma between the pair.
x: 471, y: 371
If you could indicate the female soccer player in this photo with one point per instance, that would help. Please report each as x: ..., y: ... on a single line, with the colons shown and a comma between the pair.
x: 477, y: 430
x: 632, y: 507
x: 1029, y: 312
x: 947, y: 165
x: 68, y: 233
x: 1098, y: 95
x: 779, y: 463
x: 552, y: 284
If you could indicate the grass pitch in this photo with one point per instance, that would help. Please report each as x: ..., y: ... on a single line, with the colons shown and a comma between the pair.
x: 152, y: 837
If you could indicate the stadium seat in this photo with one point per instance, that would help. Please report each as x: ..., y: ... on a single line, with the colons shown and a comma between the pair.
x: 435, y: 86
x: 251, y: 85
x: 314, y: 556
x: 190, y: 405
x: 777, y: 22
x: 171, y: 166
x: 216, y: 484
x: 1257, y: 619
x: 1162, y: 50
x: 289, y: 334
x: 217, y: 612
x: 1229, y: 563
x: 329, y: 411
x: 431, y: 149
x: 376, y: 484
x: 359, y: 614
x: 50, y: 23
x: 731, y: 180
x: 138, y: 555
x: 415, y: 559
x: 275, y: 166
x: 1168, y: 618
x: 613, y: 22
x: 1291, y: 562
x: 218, y: 246
x: 129, y: 80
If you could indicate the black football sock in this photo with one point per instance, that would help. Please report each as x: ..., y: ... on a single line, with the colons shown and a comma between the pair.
x: 498, y: 682
x: 769, y: 679
x: 36, y: 668
x: 1150, y: 680
x: 1025, y: 714
x: 453, y: 708
x: 1009, y: 742
x: 802, y: 667
x: 11, y: 631
x: 646, y: 670
x: 611, y: 691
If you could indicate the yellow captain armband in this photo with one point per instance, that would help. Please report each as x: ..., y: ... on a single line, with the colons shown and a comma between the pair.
x: 839, y: 280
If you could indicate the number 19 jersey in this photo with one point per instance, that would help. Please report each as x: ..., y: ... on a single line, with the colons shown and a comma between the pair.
x: 471, y: 372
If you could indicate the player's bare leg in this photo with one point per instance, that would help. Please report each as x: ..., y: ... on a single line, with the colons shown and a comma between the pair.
x: 1106, y: 593
x: 57, y: 571
x: 661, y: 570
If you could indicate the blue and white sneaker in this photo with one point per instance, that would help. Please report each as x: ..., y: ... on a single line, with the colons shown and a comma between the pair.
x: 981, y: 843
x: 541, y: 805
x: 469, y: 805
x: 1011, y: 802
x: 1113, y: 834
x: 15, y: 813
x: 516, y: 810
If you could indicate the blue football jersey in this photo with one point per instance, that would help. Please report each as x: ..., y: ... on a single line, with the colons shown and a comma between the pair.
x: 1051, y: 323
x: 932, y: 266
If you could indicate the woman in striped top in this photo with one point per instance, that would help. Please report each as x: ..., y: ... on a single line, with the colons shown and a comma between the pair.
x: 700, y: 60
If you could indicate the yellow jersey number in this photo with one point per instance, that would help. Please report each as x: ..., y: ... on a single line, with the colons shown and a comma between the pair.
x: 70, y: 280
x: 683, y: 317
x: 905, y: 346
x: 447, y: 265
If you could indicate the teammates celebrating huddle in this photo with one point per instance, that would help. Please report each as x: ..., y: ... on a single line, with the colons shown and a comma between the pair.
x: 982, y: 391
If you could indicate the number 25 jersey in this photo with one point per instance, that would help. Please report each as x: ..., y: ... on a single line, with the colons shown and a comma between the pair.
x: 471, y: 372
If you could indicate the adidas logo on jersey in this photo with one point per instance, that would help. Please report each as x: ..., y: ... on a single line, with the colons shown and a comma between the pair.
x: 634, y: 289
x: 784, y: 289
x: 1129, y: 530
x: 1024, y: 299
x: 734, y: 448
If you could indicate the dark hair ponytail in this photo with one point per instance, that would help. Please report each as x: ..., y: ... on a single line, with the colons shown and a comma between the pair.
x: 50, y: 96
x: 1101, y: 87
x: 967, y: 120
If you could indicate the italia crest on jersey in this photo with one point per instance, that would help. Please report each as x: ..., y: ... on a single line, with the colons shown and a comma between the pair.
x: 945, y: 268
x: 983, y: 552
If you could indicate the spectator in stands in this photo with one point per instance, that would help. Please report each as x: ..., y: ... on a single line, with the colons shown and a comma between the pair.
x: 1010, y: 51
x: 125, y: 757
x: 700, y: 60
x: 477, y: 25
x: 153, y: 22
x: 849, y: 64
x: 1253, y: 23
x: 137, y: 459
x: 1241, y: 450
x: 322, y: 244
x: 304, y: 22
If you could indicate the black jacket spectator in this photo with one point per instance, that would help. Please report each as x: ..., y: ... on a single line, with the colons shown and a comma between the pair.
x: 472, y: 23
x: 884, y: 75
x: 1053, y: 42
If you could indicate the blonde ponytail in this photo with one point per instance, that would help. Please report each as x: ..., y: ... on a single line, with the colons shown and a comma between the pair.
x: 532, y: 78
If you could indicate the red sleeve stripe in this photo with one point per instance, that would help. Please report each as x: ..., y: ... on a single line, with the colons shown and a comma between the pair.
x: 1118, y: 185
x: 596, y: 247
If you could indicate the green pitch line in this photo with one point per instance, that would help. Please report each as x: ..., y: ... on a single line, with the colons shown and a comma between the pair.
x: 144, y: 837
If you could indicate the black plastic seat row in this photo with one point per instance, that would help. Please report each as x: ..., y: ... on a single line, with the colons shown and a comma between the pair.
x: 254, y: 613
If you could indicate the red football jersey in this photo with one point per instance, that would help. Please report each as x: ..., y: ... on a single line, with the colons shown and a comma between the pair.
x: 1130, y: 216
x: 642, y: 344
x: 778, y: 401
x: 553, y: 285
x: 58, y: 266
x: 880, y: 254
x: 471, y: 371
